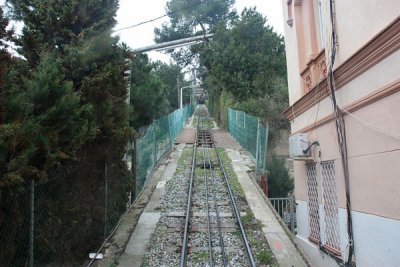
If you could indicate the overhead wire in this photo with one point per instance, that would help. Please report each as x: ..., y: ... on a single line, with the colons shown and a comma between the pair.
x: 371, y: 126
x: 160, y: 17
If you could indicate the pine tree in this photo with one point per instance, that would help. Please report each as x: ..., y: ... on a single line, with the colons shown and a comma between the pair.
x: 44, y: 124
x: 169, y: 74
x: 148, y: 93
x: 76, y: 34
x: 5, y: 57
x: 189, y: 18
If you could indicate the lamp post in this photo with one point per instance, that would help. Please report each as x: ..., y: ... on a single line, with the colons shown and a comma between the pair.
x: 185, y: 87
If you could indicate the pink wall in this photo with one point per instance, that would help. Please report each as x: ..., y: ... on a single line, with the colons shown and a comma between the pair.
x: 374, y: 159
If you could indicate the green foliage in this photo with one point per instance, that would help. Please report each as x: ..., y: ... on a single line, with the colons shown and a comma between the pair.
x: 265, y: 256
x: 45, y: 124
x: 279, y: 181
x: 225, y: 101
x: 247, y: 58
x: 66, y: 107
x: 147, y: 97
x: 5, y: 36
x: 246, y: 61
x: 192, y: 16
x: 270, y: 110
x: 169, y: 74
x: 57, y: 25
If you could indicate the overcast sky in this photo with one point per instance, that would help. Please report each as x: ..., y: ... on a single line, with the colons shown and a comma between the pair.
x: 133, y: 12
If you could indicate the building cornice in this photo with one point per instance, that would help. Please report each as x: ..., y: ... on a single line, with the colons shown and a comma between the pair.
x: 381, y: 93
x: 382, y: 45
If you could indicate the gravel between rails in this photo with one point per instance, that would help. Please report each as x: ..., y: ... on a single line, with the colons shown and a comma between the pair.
x: 166, y: 241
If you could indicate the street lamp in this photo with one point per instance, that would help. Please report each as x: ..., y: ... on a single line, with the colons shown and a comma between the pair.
x: 185, y: 87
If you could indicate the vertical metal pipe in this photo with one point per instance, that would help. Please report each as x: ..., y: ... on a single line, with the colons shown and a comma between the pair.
x: 32, y: 224
x: 154, y: 144
x: 105, y: 200
x: 266, y: 151
x: 177, y: 83
x: 133, y: 170
x: 291, y: 209
x: 169, y: 132
x: 257, y: 143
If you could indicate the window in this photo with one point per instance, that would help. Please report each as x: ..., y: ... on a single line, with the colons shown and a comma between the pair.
x: 313, y: 206
x: 330, y: 207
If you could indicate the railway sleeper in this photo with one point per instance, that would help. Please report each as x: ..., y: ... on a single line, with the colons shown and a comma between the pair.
x: 181, y: 214
x: 207, y: 166
x: 225, y: 227
x: 191, y: 249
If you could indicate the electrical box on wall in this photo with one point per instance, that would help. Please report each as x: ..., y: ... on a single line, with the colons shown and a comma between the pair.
x: 297, y: 144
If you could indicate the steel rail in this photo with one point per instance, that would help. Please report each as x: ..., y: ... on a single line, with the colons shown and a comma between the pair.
x: 189, y: 206
x: 210, y: 247
x: 233, y: 203
x: 221, y: 239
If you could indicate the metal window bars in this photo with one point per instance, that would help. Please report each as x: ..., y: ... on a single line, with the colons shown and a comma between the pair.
x: 330, y: 207
x: 313, y: 206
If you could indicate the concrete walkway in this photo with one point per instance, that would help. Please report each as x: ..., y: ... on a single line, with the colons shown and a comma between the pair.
x: 285, y: 252
x: 140, y: 239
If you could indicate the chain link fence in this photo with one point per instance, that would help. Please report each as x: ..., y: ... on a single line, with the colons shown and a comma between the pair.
x: 156, y: 142
x: 251, y: 135
x: 58, y: 221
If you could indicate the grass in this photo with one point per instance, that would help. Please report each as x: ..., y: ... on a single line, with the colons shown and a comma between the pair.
x: 265, y: 257
x: 186, y: 154
x: 200, y: 256
x: 248, y: 218
x: 208, y: 122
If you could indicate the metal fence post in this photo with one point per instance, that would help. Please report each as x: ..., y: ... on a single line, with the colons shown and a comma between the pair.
x: 266, y: 148
x: 105, y: 200
x: 32, y: 224
x: 257, y: 143
x: 134, y: 170
x: 154, y: 144
x: 169, y: 132
x: 291, y: 210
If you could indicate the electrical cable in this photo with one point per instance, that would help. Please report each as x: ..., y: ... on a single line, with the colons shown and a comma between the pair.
x: 370, y: 125
x: 160, y: 17
x: 342, y: 140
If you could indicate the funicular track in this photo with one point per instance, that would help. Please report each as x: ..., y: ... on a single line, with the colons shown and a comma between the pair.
x: 211, y: 212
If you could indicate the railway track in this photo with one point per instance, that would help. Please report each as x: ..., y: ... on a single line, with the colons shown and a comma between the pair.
x: 214, y: 200
x: 201, y: 216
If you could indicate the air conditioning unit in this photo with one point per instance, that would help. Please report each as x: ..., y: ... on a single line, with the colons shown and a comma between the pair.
x: 297, y: 144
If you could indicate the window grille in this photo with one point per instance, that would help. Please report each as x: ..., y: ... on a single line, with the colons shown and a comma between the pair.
x: 329, y: 196
x: 313, y: 207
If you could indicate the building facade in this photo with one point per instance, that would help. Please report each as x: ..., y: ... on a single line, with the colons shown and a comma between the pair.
x: 343, y: 62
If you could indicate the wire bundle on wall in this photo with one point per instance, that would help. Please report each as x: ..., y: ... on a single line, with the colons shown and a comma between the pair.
x: 341, y: 135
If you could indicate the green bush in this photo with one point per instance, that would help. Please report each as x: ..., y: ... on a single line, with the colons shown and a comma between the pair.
x: 279, y: 181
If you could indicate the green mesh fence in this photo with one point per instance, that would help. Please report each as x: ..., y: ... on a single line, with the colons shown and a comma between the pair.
x: 250, y: 134
x: 58, y: 221
x: 157, y: 141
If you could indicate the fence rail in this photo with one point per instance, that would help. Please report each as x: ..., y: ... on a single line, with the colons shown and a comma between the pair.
x: 251, y: 135
x: 58, y: 221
